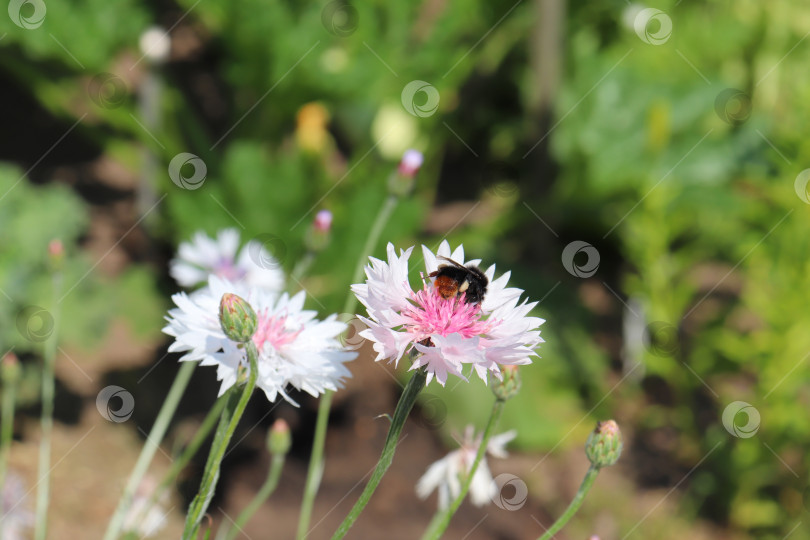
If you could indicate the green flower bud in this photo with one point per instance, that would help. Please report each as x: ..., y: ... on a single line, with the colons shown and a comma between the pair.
x: 509, y: 386
x: 278, y: 438
x: 604, y: 446
x: 237, y: 318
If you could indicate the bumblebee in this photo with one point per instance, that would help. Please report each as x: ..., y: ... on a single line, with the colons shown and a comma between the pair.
x: 454, y: 279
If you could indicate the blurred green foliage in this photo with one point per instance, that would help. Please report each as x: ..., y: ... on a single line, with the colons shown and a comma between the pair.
x: 688, y: 196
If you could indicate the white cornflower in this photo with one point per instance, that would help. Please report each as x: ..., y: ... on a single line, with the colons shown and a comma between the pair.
x: 205, y: 256
x: 15, y: 518
x: 448, y: 473
x: 449, y: 332
x: 295, y: 349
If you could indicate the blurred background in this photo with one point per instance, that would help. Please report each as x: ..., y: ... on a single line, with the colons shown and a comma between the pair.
x: 640, y: 169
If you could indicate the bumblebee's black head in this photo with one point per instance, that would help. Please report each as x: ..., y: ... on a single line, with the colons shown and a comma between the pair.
x: 454, y: 279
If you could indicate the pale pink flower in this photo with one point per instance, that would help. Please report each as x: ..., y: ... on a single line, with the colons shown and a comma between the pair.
x: 205, y: 256
x: 295, y: 349
x: 449, y: 333
x: 448, y: 473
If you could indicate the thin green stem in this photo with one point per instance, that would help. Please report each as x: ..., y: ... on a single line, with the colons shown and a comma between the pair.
x: 371, y: 241
x: 442, y: 519
x: 150, y: 447
x: 48, y: 390
x: 225, y: 431
x: 404, y: 406
x: 6, y: 426
x: 587, y: 482
x: 262, y: 496
x: 315, y: 471
x: 316, y: 465
x: 302, y: 266
x: 188, y: 452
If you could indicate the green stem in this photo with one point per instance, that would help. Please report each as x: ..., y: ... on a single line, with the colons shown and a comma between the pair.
x: 316, y: 465
x: 262, y: 496
x: 232, y: 413
x: 150, y: 447
x: 442, y: 519
x: 404, y: 406
x: 48, y: 390
x: 302, y: 266
x: 315, y: 471
x: 188, y: 452
x: 587, y: 482
x: 6, y: 426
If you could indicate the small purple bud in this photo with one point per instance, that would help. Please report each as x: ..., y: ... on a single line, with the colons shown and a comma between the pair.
x: 411, y: 163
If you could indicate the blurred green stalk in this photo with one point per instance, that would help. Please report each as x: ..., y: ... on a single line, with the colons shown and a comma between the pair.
x: 48, y: 384
x: 227, y: 425
x: 316, y: 464
x: 442, y: 519
x: 150, y: 447
x: 7, y: 418
x: 188, y: 452
x: 264, y: 493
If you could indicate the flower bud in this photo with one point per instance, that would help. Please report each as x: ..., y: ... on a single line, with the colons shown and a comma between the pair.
x: 411, y: 163
x: 509, y: 385
x: 401, y: 183
x: 237, y: 318
x: 278, y: 438
x: 318, y: 236
x: 604, y: 446
x: 56, y: 253
x: 10, y: 368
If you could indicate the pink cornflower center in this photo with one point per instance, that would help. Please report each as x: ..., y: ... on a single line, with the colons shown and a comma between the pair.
x: 271, y: 329
x: 225, y: 268
x: 429, y: 313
